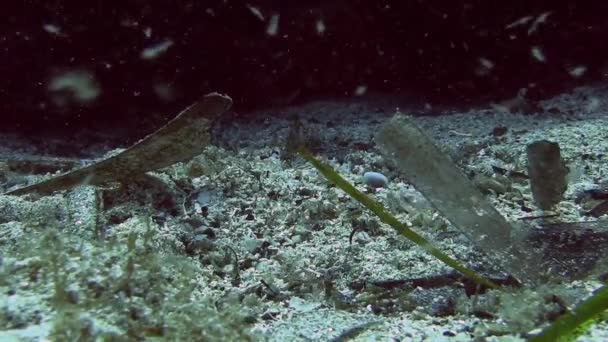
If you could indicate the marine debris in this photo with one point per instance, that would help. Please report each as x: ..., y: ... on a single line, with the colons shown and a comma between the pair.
x: 182, y: 138
x: 547, y: 173
x: 432, y: 173
x: 377, y: 208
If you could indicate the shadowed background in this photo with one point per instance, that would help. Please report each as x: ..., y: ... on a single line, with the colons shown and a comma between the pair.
x: 132, y: 65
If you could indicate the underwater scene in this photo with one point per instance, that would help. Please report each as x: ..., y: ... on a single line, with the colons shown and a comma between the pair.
x: 304, y: 171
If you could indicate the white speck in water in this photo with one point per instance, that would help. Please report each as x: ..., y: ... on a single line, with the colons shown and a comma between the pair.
x: 538, y: 54
x: 486, y: 63
x: 320, y: 26
x: 52, y: 29
x: 361, y: 90
x: 577, y: 71
x: 541, y: 19
x: 519, y: 22
x: 485, y: 66
x: 256, y: 12
x: 156, y: 50
x: 273, y: 25
x: 74, y: 86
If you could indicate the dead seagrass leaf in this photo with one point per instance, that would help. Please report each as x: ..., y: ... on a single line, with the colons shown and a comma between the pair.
x: 436, y: 176
x: 179, y: 140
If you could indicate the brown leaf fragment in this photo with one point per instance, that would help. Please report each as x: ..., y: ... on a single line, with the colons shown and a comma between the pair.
x: 547, y: 173
x: 451, y: 193
x: 179, y: 140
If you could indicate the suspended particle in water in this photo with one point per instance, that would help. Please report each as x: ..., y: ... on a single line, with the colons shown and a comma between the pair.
x: 538, y: 54
x: 360, y: 90
x: 519, y: 22
x: 577, y: 71
x: 485, y: 66
x: 156, y: 50
x: 273, y: 25
x: 52, y: 29
x: 541, y: 19
x: 320, y: 26
x: 256, y: 12
x: 73, y: 87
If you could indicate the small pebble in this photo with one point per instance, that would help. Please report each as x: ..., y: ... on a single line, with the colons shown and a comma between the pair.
x: 375, y: 179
